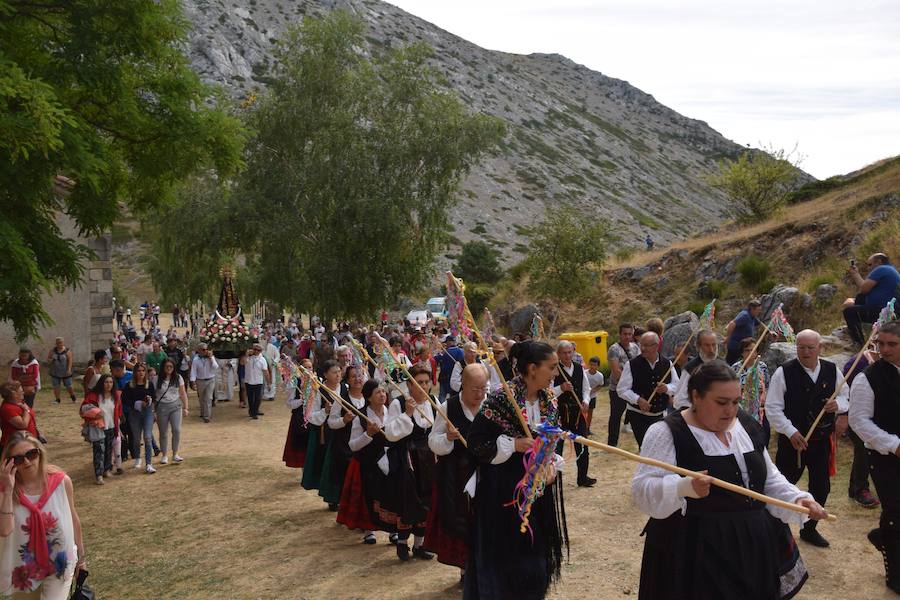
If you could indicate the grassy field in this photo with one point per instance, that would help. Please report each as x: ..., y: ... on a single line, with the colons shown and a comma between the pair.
x: 232, y: 522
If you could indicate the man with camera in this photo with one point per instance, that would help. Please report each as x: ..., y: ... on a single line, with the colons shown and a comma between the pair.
x: 876, y: 290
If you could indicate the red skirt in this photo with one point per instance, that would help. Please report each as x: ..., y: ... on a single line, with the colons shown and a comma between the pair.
x: 294, y: 454
x: 352, y: 510
x: 450, y: 550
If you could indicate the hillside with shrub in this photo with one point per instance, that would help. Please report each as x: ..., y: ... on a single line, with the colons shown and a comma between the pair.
x: 807, y: 246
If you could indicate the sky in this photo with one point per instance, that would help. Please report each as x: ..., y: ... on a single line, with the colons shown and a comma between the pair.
x: 820, y: 76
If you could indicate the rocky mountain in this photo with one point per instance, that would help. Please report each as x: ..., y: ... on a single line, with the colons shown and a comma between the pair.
x: 575, y: 135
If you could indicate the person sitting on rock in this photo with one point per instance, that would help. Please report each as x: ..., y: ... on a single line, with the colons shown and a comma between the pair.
x: 880, y: 285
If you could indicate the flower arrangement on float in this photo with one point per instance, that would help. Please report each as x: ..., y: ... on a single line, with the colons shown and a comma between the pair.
x: 228, y: 336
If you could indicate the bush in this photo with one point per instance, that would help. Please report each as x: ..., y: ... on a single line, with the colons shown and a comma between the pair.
x: 623, y: 254
x: 711, y: 288
x: 754, y: 272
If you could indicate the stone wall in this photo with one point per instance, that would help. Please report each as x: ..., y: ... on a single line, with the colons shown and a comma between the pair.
x: 83, y: 316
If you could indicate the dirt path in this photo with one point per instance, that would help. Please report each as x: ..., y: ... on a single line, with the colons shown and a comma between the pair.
x: 232, y: 522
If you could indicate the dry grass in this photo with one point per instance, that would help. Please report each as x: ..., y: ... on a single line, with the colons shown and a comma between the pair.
x: 232, y: 522
x: 830, y: 205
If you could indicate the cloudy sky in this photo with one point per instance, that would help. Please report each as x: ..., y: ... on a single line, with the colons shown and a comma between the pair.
x: 821, y: 75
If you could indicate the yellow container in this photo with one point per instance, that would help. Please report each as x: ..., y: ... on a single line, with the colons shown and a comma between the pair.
x: 588, y: 344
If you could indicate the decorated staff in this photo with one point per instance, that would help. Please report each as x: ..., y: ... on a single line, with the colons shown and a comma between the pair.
x: 300, y: 403
x: 456, y: 291
x: 335, y: 397
x: 402, y: 366
x: 319, y: 433
x: 886, y: 316
x: 364, y: 355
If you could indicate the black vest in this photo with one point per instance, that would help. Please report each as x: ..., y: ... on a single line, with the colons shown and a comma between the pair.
x: 885, y: 382
x: 576, y: 379
x: 453, y: 471
x: 804, y: 398
x: 644, y: 380
x: 690, y: 455
x: 692, y: 365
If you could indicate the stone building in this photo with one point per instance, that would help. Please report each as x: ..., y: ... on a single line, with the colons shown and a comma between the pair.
x: 83, y: 316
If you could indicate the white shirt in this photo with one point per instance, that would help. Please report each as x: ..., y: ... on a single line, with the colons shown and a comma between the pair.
x: 437, y: 439
x: 456, y: 377
x: 318, y: 413
x: 623, y: 388
x: 862, y: 410
x: 335, y: 420
x: 585, y: 384
x: 681, y: 394
x: 775, y: 399
x: 203, y: 367
x: 255, y: 370
x: 359, y: 439
x: 596, y: 380
x: 659, y: 493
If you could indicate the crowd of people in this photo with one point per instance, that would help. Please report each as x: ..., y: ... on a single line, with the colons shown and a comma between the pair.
x: 428, y: 441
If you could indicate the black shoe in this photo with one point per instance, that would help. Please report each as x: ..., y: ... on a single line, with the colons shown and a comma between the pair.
x: 392, y: 538
x: 156, y: 452
x: 254, y: 417
x: 57, y: 401
x: 42, y: 439
x: 422, y: 553
x: 402, y: 551
x: 811, y: 536
x: 587, y: 482
x: 206, y: 419
x: 332, y: 507
x: 369, y: 539
x: 260, y: 414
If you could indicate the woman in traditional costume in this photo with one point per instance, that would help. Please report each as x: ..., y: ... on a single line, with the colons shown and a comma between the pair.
x: 340, y: 422
x: 403, y: 505
x: 294, y: 454
x: 317, y: 446
x: 705, y: 542
x: 364, y: 478
x: 504, y: 561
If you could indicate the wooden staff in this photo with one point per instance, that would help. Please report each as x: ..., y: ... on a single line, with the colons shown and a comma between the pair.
x: 696, y: 475
x: 436, y: 406
x: 365, y: 354
x: 672, y: 363
x: 493, y: 364
x: 766, y: 331
x: 335, y: 397
x: 837, y: 388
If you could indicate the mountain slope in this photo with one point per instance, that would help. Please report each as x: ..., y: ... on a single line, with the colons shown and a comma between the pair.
x: 807, y: 246
x: 575, y: 135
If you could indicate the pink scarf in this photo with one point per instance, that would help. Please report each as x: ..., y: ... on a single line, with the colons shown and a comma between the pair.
x: 37, y: 541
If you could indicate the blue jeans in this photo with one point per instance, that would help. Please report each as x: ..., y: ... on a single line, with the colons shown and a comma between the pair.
x: 141, y: 424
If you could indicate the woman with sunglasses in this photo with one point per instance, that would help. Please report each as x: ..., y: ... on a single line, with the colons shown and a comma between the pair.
x: 137, y: 397
x: 102, y: 409
x: 171, y: 405
x: 41, y: 547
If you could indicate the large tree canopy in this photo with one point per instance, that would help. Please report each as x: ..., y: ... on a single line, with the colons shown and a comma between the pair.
x: 354, y: 165
x: 101, y: 93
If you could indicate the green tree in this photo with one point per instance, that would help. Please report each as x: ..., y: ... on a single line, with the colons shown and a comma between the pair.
x: 98, y: 92
x: 566, y: 255
x: 478, y: 263
x: 351, y: 173
x: 758, y: 183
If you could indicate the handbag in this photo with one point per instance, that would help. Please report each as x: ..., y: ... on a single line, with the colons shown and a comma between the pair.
x: 82, y: 590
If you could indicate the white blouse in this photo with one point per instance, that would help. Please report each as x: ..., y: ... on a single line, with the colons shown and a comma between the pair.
x: 319, y: 414
x: 659, y: 493
x: 335, y: 420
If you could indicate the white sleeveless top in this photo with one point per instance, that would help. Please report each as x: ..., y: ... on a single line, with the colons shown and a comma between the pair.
x: 14, y: 567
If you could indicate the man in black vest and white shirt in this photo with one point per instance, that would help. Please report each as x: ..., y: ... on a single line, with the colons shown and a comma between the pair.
x: 645, y: 376
x: 573, y: 391
x: 707, y: 351
x: 875, y: 417
x: 798, y: 391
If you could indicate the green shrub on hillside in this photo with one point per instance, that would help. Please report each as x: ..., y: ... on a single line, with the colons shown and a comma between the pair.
x: 754, y: 272
x: 477, y: 296
x: 818, y: 280
x: 623, y: 254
